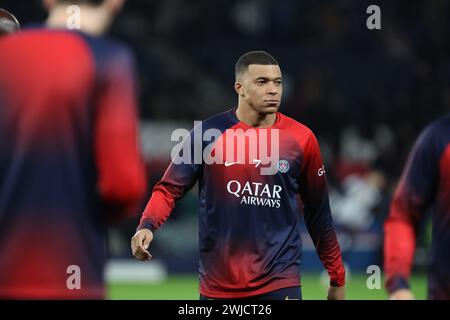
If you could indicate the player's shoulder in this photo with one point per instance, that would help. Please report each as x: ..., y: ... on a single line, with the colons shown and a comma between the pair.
x: 102, y: 47
x: 221, y: 120
x: 445, y: 128
x: 434, y: 138
x: 439, y: 128
x: 439, y: 125
x: 107, y: 47
x: 295, y: 127
x: 38, y: 35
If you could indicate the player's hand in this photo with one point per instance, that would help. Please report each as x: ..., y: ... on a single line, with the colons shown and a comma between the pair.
x: 336, y: 293
x: 139, y: 244
x: 402, y: 294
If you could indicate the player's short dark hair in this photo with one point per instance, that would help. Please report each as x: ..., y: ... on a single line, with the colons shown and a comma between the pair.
x: 253, y: 57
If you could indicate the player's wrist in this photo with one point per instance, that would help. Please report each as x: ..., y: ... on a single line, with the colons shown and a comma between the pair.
x: 338, y: 278
x: 396, y: 283
x: 146, y: 225
x: 336, y: 283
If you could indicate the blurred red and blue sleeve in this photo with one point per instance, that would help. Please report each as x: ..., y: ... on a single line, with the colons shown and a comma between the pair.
x: 413, y: 195
x: 317, y: 213
x: 121, y: 170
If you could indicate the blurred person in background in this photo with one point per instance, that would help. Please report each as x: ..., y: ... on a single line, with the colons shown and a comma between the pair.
x: 425, y: 183
x: 69, y: 157
x: 8, y: 23
x: 250, y: 244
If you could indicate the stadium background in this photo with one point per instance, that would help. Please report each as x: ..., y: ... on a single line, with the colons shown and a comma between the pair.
x: 365, y: 93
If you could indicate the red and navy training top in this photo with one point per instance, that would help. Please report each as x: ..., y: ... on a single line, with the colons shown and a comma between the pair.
x: 69, y: 159
x: 249, y: 234
x: 425, y: 183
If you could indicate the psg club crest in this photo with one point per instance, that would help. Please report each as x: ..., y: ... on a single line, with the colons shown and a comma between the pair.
x: 283, y: 166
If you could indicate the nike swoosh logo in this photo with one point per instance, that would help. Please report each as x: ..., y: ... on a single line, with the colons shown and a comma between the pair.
x: 227, y: 164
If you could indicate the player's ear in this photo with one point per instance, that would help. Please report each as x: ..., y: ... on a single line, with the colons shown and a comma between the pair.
x: 238, y: 88
x: 114, y: 6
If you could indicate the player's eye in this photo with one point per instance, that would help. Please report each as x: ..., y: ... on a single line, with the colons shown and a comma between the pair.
x: 260, y: 82
x: 278, y: 82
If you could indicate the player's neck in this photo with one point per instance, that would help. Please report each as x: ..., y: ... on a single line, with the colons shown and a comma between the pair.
x: 93, y: 20
x: 254, y: 119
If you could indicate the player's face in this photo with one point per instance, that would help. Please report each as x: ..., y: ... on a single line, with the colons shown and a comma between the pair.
x: 261, y: 87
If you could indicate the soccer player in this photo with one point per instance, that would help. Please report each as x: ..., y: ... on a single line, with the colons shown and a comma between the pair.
x: 69, y: 159
x: 8, y: 23
x: 425, y: 183
x: 250, y: 244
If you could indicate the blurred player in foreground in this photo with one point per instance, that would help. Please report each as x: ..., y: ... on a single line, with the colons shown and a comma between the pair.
x: 425, y: 183
x: 69, y: 159
x: 8, y: 23
x: 250, y: 245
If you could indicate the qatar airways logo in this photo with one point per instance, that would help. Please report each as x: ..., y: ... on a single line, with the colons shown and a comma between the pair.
x: 256, y: 193
x: 259, y: 148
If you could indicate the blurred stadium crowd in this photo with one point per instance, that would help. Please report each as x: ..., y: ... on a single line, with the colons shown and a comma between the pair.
x: 366, y: 94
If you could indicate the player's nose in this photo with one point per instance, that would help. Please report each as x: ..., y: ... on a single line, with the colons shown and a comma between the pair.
x: 272, y: 89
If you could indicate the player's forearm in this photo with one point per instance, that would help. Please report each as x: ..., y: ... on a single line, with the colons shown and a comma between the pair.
x: 320, y: 227
x: 176, y: 182
x: 325, y: 241
x: 119, y: 201
x: 330, y: 254
x: 121, y: 171
x: 399, y: 246
x: 159, y: 206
